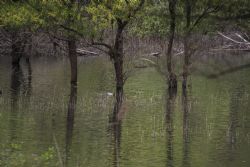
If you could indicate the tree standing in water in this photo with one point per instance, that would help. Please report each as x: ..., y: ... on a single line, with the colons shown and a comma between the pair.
x: 17, y: 20
x: 194, y: 13
x: 119, y: 14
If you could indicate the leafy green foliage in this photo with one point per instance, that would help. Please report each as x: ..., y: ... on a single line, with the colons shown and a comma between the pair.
x: 105, y: 13
x: 64, y: 15
x: 152, y: 20
x: 19, y: 15
x: 206, y: 15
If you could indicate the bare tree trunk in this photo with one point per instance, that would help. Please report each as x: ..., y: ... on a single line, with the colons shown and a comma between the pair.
x: 72, y: 45
x: 19, y: 41
x: 118, y: 62
x: 29, y: 48
x: 187, y: 54
x: 17, y: 48
x: 172, y: 79
x: 186, y: 65
x: 73, y: 60
x: 16, y: 53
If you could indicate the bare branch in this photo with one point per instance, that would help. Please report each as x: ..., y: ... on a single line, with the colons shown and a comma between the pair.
x: 238, y: 35
x: 208, y: 10
x: 238, y: 42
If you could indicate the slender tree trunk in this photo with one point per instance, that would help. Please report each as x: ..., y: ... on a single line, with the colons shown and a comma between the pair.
x: 73, y: 60
x: 19, y: 41
x: 17, y: 48
x: 186, y: 65
x: 187, y: 54
x: 172, y: 79
x: 118, y: 62
x: 72, y: 46
x: 16, y: 53
x: 29, y: 48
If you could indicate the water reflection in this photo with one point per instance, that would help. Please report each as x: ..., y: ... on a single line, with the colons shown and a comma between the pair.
x: 28, y: 87
x: 218, y: 106
x: 171, y: 97
x: 17, y: 80
x: 186, y: 138
x: 116, y: 129
x: 70, y: 122
x: 15, y: 86
x: 236, y: 96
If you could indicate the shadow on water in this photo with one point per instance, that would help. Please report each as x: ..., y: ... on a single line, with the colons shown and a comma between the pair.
x: 170, y: 103
x: 116, y: 128
x: 70, y: 122
x: 186, y: 138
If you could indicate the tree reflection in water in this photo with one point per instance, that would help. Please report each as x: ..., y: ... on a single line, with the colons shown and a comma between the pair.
x: 70, y: 122
x: 233, y: 125
x: 186, y: 138
x: 17, y: 80
x: 116, y: 128
x: 170, y: 101
x: 15, y: 86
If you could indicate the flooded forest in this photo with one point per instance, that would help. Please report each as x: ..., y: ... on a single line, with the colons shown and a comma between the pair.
x: 128, y: 83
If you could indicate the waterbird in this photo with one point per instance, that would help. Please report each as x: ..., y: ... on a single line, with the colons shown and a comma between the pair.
x: 109, y: 94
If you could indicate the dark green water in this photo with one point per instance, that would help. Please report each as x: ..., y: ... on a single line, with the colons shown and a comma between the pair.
x: 209, y: 127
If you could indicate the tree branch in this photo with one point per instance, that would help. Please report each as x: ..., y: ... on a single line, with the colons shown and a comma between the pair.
x: 208, y: 10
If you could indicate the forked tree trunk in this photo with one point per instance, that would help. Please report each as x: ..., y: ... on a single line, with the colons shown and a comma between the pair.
x: 73, y: 60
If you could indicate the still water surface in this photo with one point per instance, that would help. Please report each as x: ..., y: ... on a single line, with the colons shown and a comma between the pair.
x: 41, y: 126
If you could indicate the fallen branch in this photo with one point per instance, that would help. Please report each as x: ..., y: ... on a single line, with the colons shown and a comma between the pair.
x: 233, y: 40
x: 222, y: 49
x: 85, y: 52
x: 238, y: 35
x: 179, y: 53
